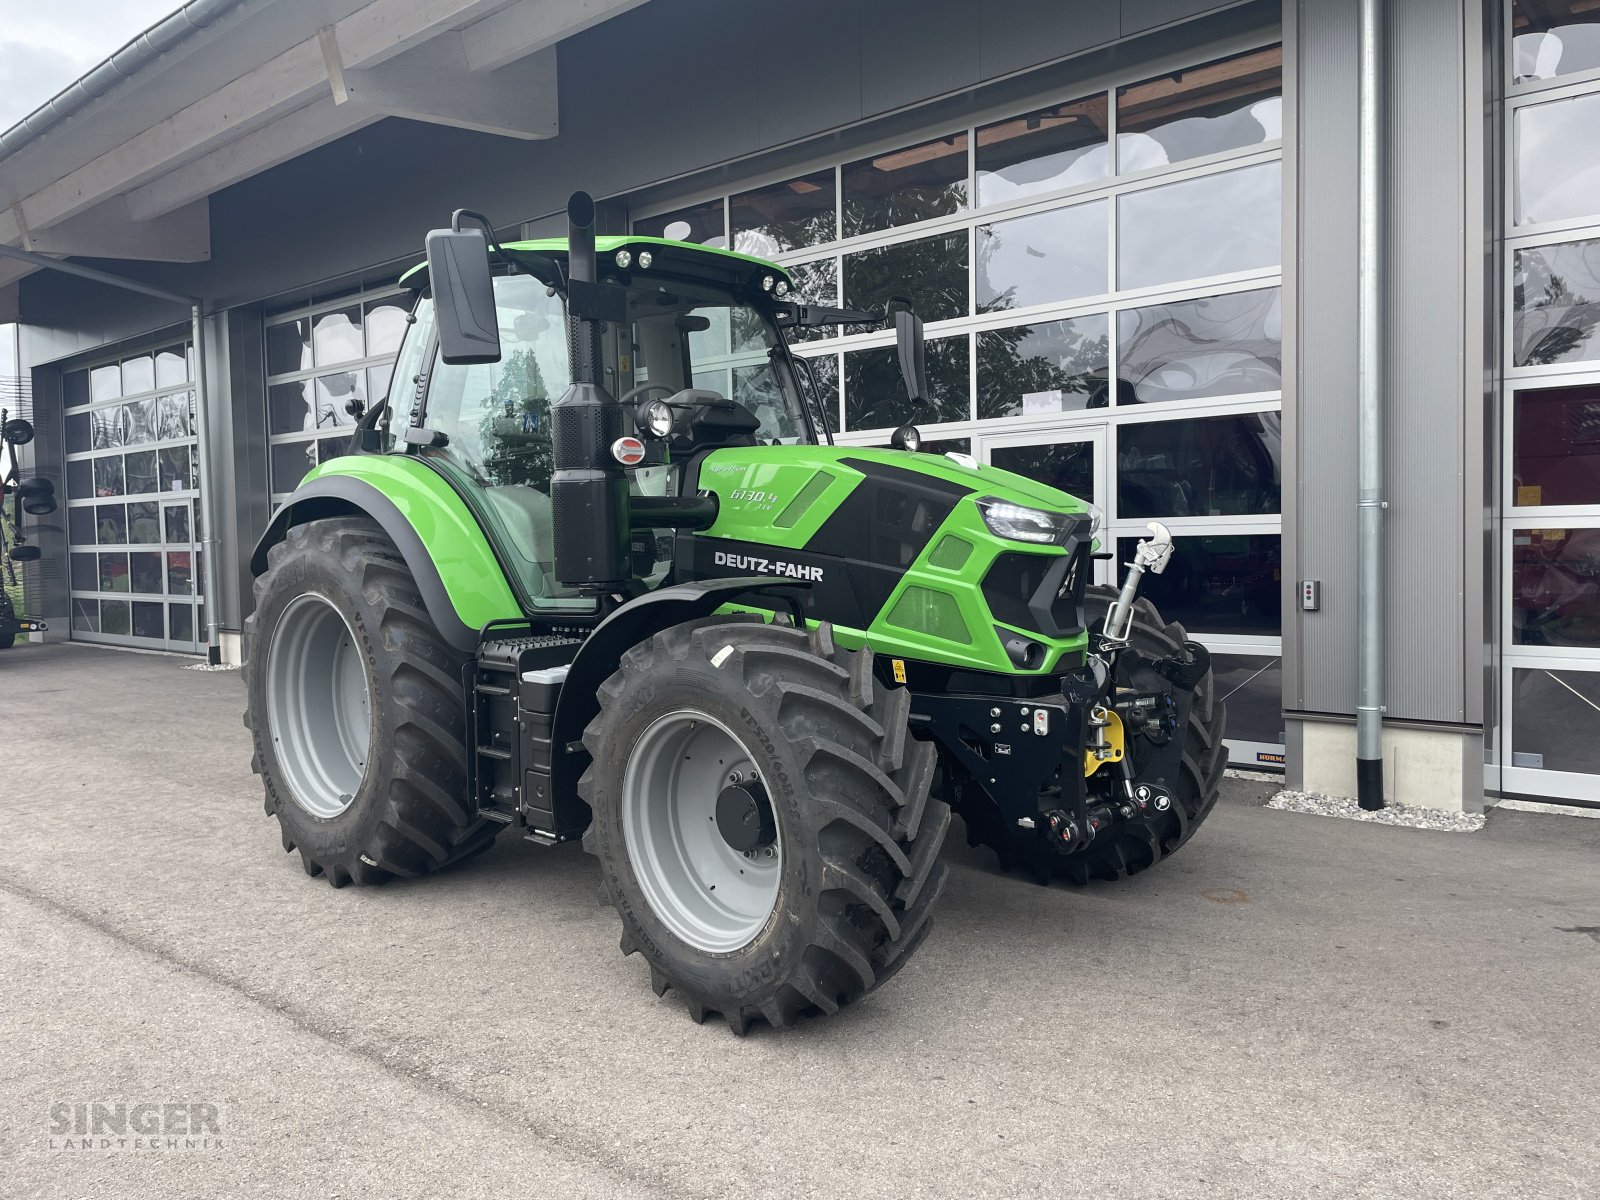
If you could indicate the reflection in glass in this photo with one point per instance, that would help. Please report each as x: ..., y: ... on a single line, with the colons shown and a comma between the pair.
x: 290, y: 462
x: 138, y: 375
x: 80, y: 479
x: 111, y: 524
x: 1554, y: 37
x: 875, y: 393
x: 172, y: 416
x: 140, y: 472
x: 75, y: 388
x: 1065, y: 466
x: 1057, y: 255
x: 106, y: 424
x: 336, y: 336
x: 180, y: 620
x: 114, y: 617
x: 1556, y: 446
x: 1209, y: 467
x: 180, y: 573
x: 334, y: 394
x: 332, y: 447
x: 814, y: 283
x: 113, y: 572
x: 177, y: 471
x: 177, y: 522
x: 757, y: 389
x: 385, y: 326
x: 1226, y: 583
x: 1556, y: 303
x: 77, y: 433
x: 903, y: 186
x: 1215, y: 346
x: 932, y: 272
x: 289, y: 407
x: 1555, y: 587
x: 378, y: 382
x: 144, y: 523
x: 1210, y: 225
x: 1052, y: 366
x: 1252, y: 688
x: 85, y: 616
x: 1553, y: 716
x: 108, y: 475
x: 1224, y: 105
x: 80, y: 526
x: 785, y: 216
x: 147, y: 620
x: 819, y: 374
x: 1557, y: 148
x: 1043, y: 151
x: 105, y: 383
x: 139, y: 422
x: 84, y: 571
x: 172, y: 367
x: 702, y: 224
x: 289, y: 346
x: 145, y: 571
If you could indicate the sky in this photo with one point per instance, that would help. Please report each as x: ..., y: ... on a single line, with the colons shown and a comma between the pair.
x: 46, y: 44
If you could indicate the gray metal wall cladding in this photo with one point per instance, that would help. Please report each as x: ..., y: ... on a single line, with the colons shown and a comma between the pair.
x: 660, y: 92
x: 1427, y: 403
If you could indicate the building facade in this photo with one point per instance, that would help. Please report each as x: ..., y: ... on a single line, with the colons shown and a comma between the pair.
x: 1131, y: 228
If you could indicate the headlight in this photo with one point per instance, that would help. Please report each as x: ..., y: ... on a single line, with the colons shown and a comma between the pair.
x: 656, y: 418
x: 782, y: 288
x: 768, y: 283
x: 1020, y: 524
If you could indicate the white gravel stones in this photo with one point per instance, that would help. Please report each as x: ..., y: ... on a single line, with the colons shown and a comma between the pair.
x: 1407, y: 815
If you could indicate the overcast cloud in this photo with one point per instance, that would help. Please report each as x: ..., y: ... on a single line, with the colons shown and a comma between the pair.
x: 46, y: 44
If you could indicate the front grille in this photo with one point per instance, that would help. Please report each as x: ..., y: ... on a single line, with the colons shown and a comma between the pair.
x: 1039, y: 593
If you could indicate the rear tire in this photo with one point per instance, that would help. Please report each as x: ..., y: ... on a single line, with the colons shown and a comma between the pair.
x: 356, y: 710
x: 1125, y: 849
x: 855, y: 834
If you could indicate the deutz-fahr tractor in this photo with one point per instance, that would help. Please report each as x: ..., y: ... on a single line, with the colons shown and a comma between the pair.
x: 595, y: 569
x: 35, y: 496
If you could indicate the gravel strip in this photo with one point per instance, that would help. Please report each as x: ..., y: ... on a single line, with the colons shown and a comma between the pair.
x: 1408, y: 815
x: 212, y: 667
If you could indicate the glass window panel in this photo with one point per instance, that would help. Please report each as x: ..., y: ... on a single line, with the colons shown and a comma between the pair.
x: 385, y: 326
x: 106, y: 426
x: 336, y: 336
x: 180, y: 573
x: 1553, y: 717
x: 1556, y: 446
x: 785, y: 216
x: 1211, y: 225
x: 147, y: 620
x: 108, y: 475
x: 114, y: 617
x: 289, y: 346
x: 756, y: 388
x: 1049, y: 256
x: 1214, y: 346
x: 824, y: 374
x: 75, y: 388
x: 172, y: 416
x: 200, y: 574
x: 931, y: 272
x: 176, y: 518
x: 85, y: 570
x: 86, y: 616
x: 1556, y: 303
x: 172, y: 367
x: 1555, y: 587
x: 111, y: 524
x: 1066, y: 466
x: 139, y: 422
x: 290, y: 462
x: 138, y: 375
x: 902, y: 186
x: 180, y: 621
x: 113, y: 572
x: 948, y: 446
x: 289, y: 407
x: 105, y: 383
x: 199, y: 522
x: 1050, y: 148
x: 875, y: 393
x: 78, y: 433
x: 1052, y: 366
x: 333, y: 395
x: 1213, y: 466
x: 177, y: 469
x: 80, y: 526
x: 1554, y: 37
x: 1557, y: 149
x: 702, y: 224
x: 144, y: 523
x: 332, y: 448
x: 378, y: 382
x: 145, y: 572
x: 80, y: 479
x: 139, y: 471
x: 1252, y: 688
x: 1224, y: 105
x: 1223, y: 583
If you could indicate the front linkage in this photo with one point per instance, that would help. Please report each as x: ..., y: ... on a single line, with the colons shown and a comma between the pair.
x: 1039, y: 759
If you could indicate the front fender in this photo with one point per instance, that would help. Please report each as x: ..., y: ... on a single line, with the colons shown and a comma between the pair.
x: 457, y: 574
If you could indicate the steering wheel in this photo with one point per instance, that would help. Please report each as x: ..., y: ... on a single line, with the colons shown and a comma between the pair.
x: 643, y: 388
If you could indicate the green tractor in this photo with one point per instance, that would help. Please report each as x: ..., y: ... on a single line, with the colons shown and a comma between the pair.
x: 595, y: 569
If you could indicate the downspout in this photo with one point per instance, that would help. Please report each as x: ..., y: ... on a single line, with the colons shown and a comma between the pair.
x: 1369, y: 413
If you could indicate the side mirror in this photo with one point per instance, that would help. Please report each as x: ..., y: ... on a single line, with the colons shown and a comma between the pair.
x: 25, y: 554
x: 913, y: 354
x: 38, y: 496
x: 17, y: 431
x: 463, y: 296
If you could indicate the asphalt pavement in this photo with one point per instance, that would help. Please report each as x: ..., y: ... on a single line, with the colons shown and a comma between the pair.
x: 1293, y: 1006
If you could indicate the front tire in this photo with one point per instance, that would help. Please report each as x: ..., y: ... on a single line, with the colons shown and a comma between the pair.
x: 356, y: 710
x: 769, y: 763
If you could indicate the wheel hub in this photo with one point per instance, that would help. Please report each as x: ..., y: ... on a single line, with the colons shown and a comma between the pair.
x: 744, y: 817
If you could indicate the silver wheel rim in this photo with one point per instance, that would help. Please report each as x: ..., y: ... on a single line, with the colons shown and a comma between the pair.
x: 712, y: 896
x: 319, y: 710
